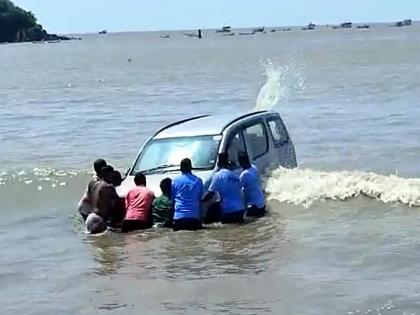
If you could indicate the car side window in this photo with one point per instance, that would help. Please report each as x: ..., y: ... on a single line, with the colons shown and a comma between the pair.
x: 235, y: 145
x: 278, y: 131
x: 256, y: 137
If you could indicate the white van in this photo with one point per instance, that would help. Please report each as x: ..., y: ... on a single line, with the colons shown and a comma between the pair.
x: 262, y: 134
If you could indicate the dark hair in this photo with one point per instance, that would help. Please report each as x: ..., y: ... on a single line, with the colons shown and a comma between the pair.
x: 223, y: 160
x: 166, y: 186
x: 106, y: 173
x: 243, y: 160
x: 186, y: 166
x: 98, y: 165
x: 116, y: 179
x: 107, y: 169
x: 140, y: 179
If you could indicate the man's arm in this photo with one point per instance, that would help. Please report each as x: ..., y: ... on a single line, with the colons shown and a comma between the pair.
x: 212, y: 190
x: 244, y: 179
x: 208, y: 196
x: 173, y: 193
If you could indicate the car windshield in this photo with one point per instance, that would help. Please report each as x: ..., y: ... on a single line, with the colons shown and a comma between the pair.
x: 162, y: 155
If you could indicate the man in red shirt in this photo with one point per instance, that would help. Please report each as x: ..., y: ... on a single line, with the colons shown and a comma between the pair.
x: 138, y: 205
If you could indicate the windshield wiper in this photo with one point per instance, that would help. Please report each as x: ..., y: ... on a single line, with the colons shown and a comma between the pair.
x: 165, y: 166
x: 158, y: 168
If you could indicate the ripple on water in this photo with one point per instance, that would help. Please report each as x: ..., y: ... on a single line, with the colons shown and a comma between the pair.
x: 47, y: 176
x: 163, y: 254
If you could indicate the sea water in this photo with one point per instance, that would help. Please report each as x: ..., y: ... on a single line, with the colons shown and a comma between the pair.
x: 342, y: 236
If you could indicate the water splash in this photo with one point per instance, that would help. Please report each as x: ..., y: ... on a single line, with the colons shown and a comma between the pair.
x: 281, y: 80
x: 305, y: 186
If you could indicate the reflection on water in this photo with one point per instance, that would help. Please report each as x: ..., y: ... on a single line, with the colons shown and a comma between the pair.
x: 161, y: 253
x: 107, y: 253
x: 155, y: 270
x: 233, y: 306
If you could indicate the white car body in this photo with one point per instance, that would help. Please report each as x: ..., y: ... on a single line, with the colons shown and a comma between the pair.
x: 262, y: 135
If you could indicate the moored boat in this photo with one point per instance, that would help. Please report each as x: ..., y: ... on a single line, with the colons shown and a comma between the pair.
x: 224, y: 29
x: 363, y: 26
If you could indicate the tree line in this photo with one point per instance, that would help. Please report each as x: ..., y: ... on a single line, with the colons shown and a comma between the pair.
x: 18, y: 25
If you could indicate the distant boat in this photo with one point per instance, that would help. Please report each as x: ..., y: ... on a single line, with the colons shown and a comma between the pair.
x: 228, y: 34
x: 103, y: 32
x: 363, y: 26
x: 165, y: 36
x: 273, y: 31
x: 310, y: 27
x: 190, y: 34
x: 287, y: 29
x: 258, y: 30
x: 343, y: 25
x: 404, y: 23
x: 224, y: 29
x: 246, y: 33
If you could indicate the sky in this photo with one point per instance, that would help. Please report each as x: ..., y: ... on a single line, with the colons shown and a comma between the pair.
x: 83, y: 16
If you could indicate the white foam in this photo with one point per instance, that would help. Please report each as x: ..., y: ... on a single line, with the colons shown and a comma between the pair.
x: 39, y: 175
x: 305, y: 186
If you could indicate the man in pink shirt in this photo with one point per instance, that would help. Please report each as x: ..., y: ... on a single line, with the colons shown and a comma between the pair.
x: 138, y: 205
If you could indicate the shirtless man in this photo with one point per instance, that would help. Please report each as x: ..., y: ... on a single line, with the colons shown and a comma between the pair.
x: 105, y: 202
x: 86, y: 203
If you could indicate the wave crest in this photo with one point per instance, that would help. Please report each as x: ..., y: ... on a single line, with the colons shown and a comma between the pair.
x: 305, y: 186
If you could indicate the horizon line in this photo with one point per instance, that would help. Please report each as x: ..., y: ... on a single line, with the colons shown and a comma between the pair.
x: 226, y: 24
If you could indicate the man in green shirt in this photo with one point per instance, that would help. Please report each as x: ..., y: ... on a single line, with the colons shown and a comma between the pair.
x: 162, y: 206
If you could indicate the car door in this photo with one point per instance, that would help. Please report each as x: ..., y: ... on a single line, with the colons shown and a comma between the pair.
x: 283, y: 148
x: 256, y: 140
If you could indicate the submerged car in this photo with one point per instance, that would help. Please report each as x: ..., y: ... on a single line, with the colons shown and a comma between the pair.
x: 261, y: 134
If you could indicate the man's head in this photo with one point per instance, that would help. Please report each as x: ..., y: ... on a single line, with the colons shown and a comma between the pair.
x: 107, y: 173
x: 98, y: 165
x: 166, y: 186
x: 243, y: 160
x: 140, y: 179
x: 186, y: 166
x: 223, y: 160
x: 116, y: 179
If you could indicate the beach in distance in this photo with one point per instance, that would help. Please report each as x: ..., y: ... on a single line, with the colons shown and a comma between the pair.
x: 342, y: 234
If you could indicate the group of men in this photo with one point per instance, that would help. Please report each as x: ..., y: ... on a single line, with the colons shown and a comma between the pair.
x: 230, y: 197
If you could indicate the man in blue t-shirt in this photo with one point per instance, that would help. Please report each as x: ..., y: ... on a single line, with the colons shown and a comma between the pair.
x: 226, y: 183
x: 187, y: 190
x: 251, y: 187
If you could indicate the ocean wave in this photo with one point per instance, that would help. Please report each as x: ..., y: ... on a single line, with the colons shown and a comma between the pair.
x: 299, y: 186
x: 305, y: 186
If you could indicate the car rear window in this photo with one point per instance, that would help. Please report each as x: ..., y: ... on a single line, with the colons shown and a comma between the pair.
x: 278, y: 132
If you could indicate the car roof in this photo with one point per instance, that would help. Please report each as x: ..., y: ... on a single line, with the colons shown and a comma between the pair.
x: 204, y: 125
